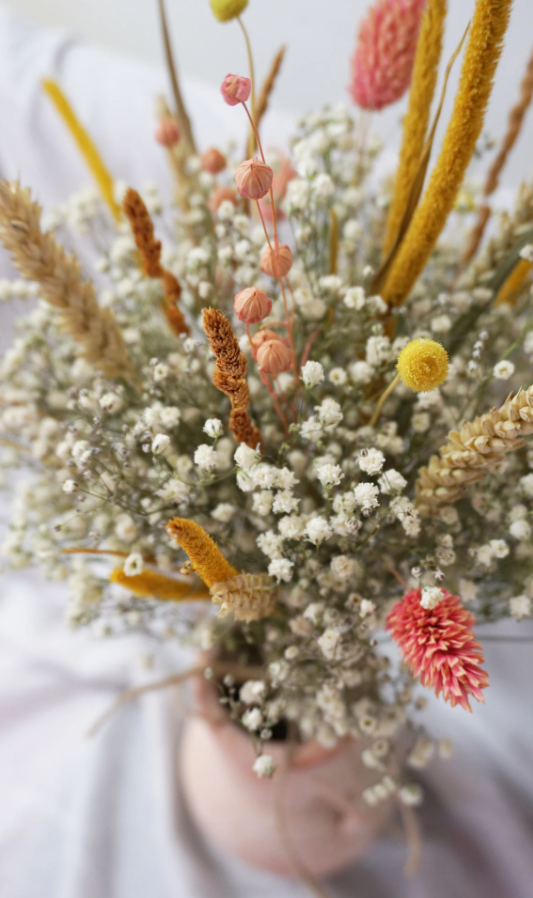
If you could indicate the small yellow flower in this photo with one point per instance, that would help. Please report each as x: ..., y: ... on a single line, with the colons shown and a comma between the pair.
x: 423, y: 365
x: 225, y: 10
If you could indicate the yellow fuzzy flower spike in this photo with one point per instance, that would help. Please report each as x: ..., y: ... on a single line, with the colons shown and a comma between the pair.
x: 226, y: 10
x: 204, y: 554
x: 152, y: 585
x: 423, y: 365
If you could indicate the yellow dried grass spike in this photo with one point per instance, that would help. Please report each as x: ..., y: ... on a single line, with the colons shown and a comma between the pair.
x: 84, y: 142
x: 514, y: 282
x: 151, y: 584
x: 204, y: 554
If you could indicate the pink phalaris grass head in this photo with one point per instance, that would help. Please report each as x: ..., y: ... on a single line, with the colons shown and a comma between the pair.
x: 213, y: 161
x: 167, y: 133
x: 235, y: 89
x: 253, y: 179
x: 273, y: 357
x: 252, y: 305
x: 439, y: 646
x: 276, y: 264
x: 382, y: 63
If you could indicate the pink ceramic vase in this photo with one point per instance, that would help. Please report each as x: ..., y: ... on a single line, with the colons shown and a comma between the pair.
x: 311, y: 811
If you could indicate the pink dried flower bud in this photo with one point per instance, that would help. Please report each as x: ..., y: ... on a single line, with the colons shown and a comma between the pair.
x: 213, y: 161
x: 383, y: 61
x: 261, y: 337
x: 167, y: 133
x: 276, y: 264
x: 253, y: 179
x: 235, y: 89
x: 220, y: 194
x: 252, y: 305
x: 273, y: 357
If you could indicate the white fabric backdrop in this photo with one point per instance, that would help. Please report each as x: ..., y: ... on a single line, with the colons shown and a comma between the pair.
x: 103, y: 818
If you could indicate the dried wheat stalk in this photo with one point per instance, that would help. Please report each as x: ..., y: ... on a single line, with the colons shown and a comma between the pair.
x: 40, y: 258
x: 268, y: 85
x: 476, y: 449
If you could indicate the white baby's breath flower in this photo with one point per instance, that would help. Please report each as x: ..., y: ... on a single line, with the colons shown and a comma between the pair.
x: 205, y: 457
x: 70, y: 486
x: 520, y: 607
x: 281, y: 569
x: 317, y: 530
x: 372, y: 461
x: 503, y: 370
x: 133, y: 565
x: 354, y: 298
x: 338, y: 376
x: 312, y: 374
x: 366, y: 496
x: 160, y: 444
x: 213, y: 428
x: 264, y: 766
x: 329, y: 475
x: 245, y: 457
x: 391, y: 481
x: 431, y: 596
x: 285, y: 502
x: 520, y: 530
x: 262, y: 502
x: 174, y: 490
x: 111, y: 403
x: 223, y: 512
x: 361, y: 372
x: 252, y: 692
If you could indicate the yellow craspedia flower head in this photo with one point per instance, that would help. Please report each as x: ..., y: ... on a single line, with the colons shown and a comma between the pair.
x: 423, y: 365
x: 225, y: 10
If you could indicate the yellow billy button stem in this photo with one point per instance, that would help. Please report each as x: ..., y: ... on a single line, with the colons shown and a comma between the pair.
x: 422, y: 366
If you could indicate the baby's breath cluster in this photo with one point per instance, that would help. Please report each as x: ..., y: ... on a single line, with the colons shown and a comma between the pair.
x: 316, y: 518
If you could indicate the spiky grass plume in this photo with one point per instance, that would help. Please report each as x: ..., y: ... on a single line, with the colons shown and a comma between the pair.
x: 470, y: 453
x: 483, y: 51
x: 415, y: 123
x: 40, y: 258
x: 153, y: 585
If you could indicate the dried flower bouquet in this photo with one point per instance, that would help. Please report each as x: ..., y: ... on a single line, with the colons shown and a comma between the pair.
x: 264, y: 426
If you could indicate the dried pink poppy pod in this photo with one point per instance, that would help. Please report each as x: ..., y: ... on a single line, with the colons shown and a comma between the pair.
x: 261, y: 337
x: 253, y: 179
x: 252, y: 305
x: 273, y: 357
x: 384, y: 56
x: 276, y: 264
x: 167, y: 133
x: 213, y: 161
x: 235, y: 89
x: 220, y: 194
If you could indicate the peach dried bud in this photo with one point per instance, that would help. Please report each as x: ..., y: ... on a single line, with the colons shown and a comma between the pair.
x: 253, y: 179
x: 273, y: 357
x: 252, y: 305
x: 213, y: 161
x: 167, y: 133
x: 276, y: 263
x: 235, y: 89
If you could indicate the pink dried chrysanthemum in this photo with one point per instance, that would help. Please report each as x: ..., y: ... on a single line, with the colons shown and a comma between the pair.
x: 439, y: 646
x: 383, y: 60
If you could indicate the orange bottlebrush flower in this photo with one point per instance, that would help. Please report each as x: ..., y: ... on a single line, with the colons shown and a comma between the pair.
x: 439, y: 646
x: 204, y: 554
x: 151, y: 584
x: 229, y: 375
x: 150, y: 250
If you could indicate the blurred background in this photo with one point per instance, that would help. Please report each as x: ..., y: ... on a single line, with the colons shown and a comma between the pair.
x: 316, y: 70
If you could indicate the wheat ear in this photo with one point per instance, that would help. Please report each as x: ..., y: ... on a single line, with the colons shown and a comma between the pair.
x: 473, y: 451
x: 39, y: 257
